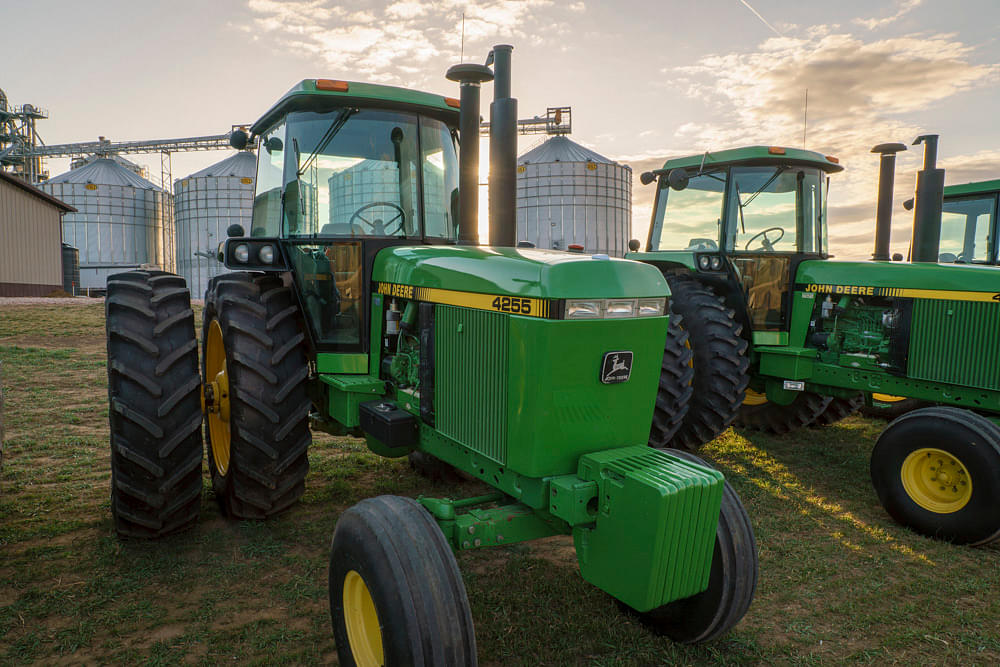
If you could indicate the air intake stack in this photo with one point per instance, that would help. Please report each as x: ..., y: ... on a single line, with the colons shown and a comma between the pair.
x: 470, y: 77
x: 503, y: 151
x: 928, y: 202
x: 886, y: 183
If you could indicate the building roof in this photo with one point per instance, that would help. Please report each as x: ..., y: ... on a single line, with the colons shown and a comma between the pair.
x: 104, y: 171
x: 561, y: 149
x: 31, y: 189
x: 240, y: 164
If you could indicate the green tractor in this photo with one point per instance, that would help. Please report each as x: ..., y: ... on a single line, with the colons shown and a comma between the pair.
x: 741, y: 238
x: 362, y: 303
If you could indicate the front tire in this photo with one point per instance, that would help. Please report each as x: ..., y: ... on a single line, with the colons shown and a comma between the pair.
x: 154, y: 404
x: 255, y: 371
x: 732, y: 581
x: 719, y: 358
x: 937, y: 471
x: 396, y: 594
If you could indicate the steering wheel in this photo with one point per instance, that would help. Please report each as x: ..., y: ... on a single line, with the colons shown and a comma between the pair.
x: 376, y: 225
x: 765, y: 242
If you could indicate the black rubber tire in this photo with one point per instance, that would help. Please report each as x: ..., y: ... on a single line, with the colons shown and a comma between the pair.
x: 720, y: 361
x: 269, y: 405
x: 673, y: 398
x: 732, y: 582
x: 154, y: 404
x: 890, y: 411
x: 974, y: 441
x: 435, y: 469
x: 837, y: 409
x: 780, y: 419
x: 410, y: 571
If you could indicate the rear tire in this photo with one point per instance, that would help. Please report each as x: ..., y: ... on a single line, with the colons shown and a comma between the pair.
x: 732, y: 582
x: 720, y: 362
x: 673, y: 398
x: 396, y: 594
x: 780, y: 419
x: 937, y: 471
x: 261, y: 471
x: 154, y: 404
x: 838, y: 408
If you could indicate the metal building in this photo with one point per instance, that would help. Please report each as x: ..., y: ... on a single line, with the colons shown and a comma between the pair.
x: 122, y: 221
x: 568, y: 194
x: 205, y: 204
x: 30, y: 248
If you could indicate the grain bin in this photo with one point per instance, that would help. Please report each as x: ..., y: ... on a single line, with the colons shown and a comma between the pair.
x: 122, y: 221
x: 205, y: 204
x: 568, y: 194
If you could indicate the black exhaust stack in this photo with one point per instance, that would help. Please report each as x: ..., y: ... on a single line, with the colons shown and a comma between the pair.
x: 503, y: 151
x: 927, y: 205
x: 886, y: 183
x: 470, y: 77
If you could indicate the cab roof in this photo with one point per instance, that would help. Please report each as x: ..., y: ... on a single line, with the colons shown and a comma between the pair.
x: 759, y: 155
x: 305, y: 96
x: 979, y: 187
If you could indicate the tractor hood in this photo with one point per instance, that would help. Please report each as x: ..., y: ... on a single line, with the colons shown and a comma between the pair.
x: 525, y: 272
x: 978, y: 283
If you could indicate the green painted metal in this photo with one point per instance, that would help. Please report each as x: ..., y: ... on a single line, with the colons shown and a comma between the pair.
x: 331, y: 362
x: 666, y: 259
x: 900, y: 275
x: 489, y: 527
x: 524, y: 272
x: 346, y: 392
x: 663, y: 552
x: 471, y: 389
x: 770, y: 338
x: 304, y: 95
x: 956, y: 342
x: 981, y: 187
x: 573, y: 500
x: 752, y: 155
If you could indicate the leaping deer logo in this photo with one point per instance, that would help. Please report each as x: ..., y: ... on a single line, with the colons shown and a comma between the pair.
x: 616, y: 365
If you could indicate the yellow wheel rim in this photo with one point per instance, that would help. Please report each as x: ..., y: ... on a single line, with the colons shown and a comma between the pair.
x: 754, y: 398
x: 887, y: 398
x: 217, y: 402
x: 363, y: 630
x: 936, y: 480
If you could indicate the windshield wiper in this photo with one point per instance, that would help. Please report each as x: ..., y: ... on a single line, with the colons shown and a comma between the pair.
x: 777, y: 172
x: 327, y: 137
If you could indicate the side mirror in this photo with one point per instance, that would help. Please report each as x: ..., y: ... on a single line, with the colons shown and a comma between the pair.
x: 908, y: 204
x: 273, y: 144
x: 896, y: 257
x: 235, y: 230
x: 634, y: 245
x: 239, y: 139
x: 678, y: 179
x: 647, y: 177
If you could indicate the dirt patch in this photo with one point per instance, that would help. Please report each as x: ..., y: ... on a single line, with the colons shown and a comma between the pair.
x: 88, y: 344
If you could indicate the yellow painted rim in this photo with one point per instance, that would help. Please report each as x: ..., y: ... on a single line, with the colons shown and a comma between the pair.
x: 887, y: 398
x: 754, y: 398
x: 217, y: 380
x: 364, y: 633
x: 936, y: 480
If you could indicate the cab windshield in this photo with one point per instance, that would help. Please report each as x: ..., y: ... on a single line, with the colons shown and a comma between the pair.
x: 358, y: 173
x: 966, y: 224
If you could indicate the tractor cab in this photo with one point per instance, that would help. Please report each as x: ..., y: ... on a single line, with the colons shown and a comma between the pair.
x: 346, y: 169
x: 969, y: 224
x: 741, y: 220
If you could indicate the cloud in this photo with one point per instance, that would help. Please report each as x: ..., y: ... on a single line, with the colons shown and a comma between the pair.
x: 383, y: 42
x: 903, y: 7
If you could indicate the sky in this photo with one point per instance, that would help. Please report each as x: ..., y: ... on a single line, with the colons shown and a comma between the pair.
x: 646, y: 80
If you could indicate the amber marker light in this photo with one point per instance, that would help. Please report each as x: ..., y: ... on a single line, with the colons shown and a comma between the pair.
x: 331, y: 85
x: 776, y: 150
x: 452, y: 102
x: 833, y: 159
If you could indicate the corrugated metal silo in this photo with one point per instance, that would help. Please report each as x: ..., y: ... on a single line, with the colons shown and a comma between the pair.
x: 122, y: 221
x: 569, y: 194
x: 205, y: 204
x: 372, y: 181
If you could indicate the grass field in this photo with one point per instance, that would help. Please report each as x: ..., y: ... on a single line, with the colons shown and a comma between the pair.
x: 839, y: 581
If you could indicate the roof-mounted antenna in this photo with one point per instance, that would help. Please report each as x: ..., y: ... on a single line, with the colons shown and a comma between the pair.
x: 462, y: 57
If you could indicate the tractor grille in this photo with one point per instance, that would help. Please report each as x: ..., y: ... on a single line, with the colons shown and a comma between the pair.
x: 957, y: 342
x: 471, y: 378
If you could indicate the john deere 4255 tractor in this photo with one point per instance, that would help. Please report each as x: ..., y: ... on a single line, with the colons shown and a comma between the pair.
x: 362, y: 296
x: 741, y: 237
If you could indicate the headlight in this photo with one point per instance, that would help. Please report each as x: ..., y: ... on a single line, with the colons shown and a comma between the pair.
x: 582, y: 310
x: 266, y: 254
x: 620, y: 308
x: 242, y: 253
x: 651, y: 307
x: 704, y: 262
x: 716, y: 263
